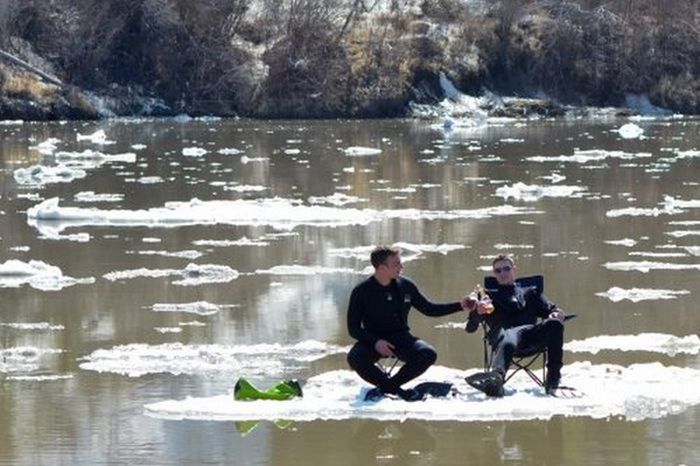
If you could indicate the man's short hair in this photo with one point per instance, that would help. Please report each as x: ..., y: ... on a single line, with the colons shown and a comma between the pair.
x: 381, y: 253
x: 503, y: 257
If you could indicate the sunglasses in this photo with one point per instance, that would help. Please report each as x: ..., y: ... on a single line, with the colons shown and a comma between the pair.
x: 505, y: 268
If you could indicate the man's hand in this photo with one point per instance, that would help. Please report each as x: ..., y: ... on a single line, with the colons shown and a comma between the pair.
x: 384, y: 348
x: 557, y: 314
x: 485, y: 306
x: 469, y: 301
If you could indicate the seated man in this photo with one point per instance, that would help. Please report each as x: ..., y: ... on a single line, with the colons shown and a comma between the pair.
x: 513, y: 324
x: 378, y: 320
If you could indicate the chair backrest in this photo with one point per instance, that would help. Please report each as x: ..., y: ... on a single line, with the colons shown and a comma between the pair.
x: 491, y: 284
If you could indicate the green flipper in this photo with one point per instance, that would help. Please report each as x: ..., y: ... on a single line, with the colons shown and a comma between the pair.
x: 284, y: 390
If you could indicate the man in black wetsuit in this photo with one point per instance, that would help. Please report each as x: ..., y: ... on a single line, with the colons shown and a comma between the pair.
x: 513, y: 324
x: 378, y: 320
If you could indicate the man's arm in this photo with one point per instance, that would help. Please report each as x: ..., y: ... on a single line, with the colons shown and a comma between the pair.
x: 427, y: 307
x: 355, y: 313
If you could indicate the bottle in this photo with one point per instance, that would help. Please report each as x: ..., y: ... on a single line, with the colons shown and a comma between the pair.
x: 480, y: 295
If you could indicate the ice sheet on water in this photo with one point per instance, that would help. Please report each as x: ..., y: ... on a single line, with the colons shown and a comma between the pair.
x: 193, y: 151
x: 636, y: 392
x: 32, y: 326
x: 47, y: 147
x: 37, y: 274
x: 23, y: 358
x: 246, y: 188
x: 135, y: 360
x: 98, y: 137
x: 525, y: 192
x: 646, y: 266
x: 592, y: 155
x: 42, y: 174
x: 188, y: 254
x: 202, y: 308
x: 306, y: 270
x: 652, y: 342
x: 243, y: 241
x: 336, y: 199
x: 630, y: 131
x: 360, y: 151
x: 282, y: 214
x: 616, y: 294
x: 192, y: 275
x: 626, y: 242
x: 91, y: 196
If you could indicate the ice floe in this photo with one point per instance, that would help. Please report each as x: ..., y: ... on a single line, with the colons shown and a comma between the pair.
x: 42, y: 174
x: 646, y: 266
x: 201, y: 308
x: 136, y: 359
x: 192, y: 275
x: 37, y: 274
x: 98, y: 137
x: 306, y: 270
x: 360, y: 151
x: 652, y: 342
x: 243, y: 241
x: 193, y: 151
x: 626, y: 242
x: 630, y: 131
x: 23, y: 358
x: 91, y: 196
x: 636, y: 392
x: 32, y: 326
x: 523, y: 192
x: 282, y: 214
x: 616, y: 294
x: 592, y: 155
x: 188, y: 254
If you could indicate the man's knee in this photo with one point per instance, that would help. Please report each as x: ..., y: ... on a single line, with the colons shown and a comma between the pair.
x: 357, y: 356
x: 428, y: 355
x: 554, y: 326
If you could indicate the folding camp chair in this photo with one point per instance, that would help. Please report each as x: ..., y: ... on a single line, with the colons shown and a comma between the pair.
x: 523, y: 358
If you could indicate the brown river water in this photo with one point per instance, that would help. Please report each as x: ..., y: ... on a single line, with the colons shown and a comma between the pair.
x: 181, y: 255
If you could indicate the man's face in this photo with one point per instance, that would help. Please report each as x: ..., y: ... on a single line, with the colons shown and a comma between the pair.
x: 393, y: 266
x: 504, y: 271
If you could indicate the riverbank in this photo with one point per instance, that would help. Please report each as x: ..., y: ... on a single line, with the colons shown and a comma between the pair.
x: 342, y: 58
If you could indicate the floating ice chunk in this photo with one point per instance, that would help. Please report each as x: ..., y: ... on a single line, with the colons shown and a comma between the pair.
x: 39, y: 378
x: 443, y: 249
x: 359, y: 151
x: 139, y: 146
x: 135, y: 360
x: 524, y: 192
x: 23, y: 358
x: 616, y: 294
x: 37, y: 274
x: 243, y: 241
x: 192, y: 275
x: 646, y: 266
x: 282, y: 214
x: 336, y: 199
x: 693, y: 250
x: 245, y: 159
x: 90, y: 196
x: 41, y: 326
x: 168, y: 329
x: 47, y: 147
x: 246, y: 188
x: 292, y: 151
x: 202, y: 308
x: 637, y: 392
x: 593, y: 155
x: 683, y: 233
x: 150, y: 180
x: 11, y: 122
x: 630, y: 131
x: 671, y: 206
x: 654, y: 342
x: 193, y: 151
x: 40, y: 175
x: 98, y: 137
x: 305, y: 270
x: 506, y: 246
x: 188, y: 254
x: 627, y: 242
x: 684, y: 154
x: 229, y: 151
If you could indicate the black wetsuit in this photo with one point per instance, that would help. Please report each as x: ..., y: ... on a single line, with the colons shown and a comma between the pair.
x: 513, y: 326
x: 379, y: 312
